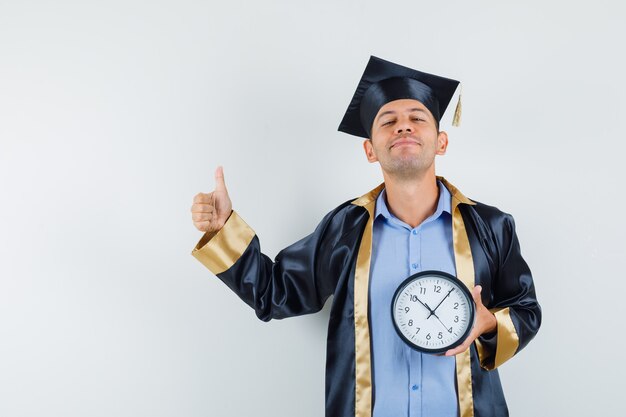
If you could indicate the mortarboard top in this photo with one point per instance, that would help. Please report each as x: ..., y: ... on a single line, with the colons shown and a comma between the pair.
x: 384, y: 81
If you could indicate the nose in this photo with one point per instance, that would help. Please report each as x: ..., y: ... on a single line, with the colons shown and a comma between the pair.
x: 404, y: 128
x: 404, y: 125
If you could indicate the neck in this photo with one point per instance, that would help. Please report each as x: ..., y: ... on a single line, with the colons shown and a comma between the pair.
x: 412, y: 200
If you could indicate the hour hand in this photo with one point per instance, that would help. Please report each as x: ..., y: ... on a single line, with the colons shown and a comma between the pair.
x: 426, y: 305
x: 432, y: 313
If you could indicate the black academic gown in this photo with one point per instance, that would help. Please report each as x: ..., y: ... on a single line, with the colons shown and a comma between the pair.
x: 335, y: 260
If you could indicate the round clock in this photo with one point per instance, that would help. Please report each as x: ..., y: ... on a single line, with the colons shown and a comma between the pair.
x: 433, y: 311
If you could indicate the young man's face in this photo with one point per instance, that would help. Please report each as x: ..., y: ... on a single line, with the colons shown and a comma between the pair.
x: 405, y: 139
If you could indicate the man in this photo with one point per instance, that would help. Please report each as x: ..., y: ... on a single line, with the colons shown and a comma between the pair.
x: 363, y: 249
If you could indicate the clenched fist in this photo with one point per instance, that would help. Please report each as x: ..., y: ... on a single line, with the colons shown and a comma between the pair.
x: 210, y: 211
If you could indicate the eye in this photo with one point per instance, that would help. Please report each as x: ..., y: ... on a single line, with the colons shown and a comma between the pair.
x: 417, y: 119
x: 388, y: 122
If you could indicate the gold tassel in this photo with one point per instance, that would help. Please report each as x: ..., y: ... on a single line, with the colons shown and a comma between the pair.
x: 456, y: 120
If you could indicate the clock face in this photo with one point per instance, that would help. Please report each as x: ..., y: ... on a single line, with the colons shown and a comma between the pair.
x: 433, y: 311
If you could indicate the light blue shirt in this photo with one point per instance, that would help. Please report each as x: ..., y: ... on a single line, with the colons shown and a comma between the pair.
x: 407, y: 382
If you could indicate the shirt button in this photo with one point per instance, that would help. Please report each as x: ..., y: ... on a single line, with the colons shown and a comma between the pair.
x: 415, y: 387
x: 414, y: 266
x: 414, y: 232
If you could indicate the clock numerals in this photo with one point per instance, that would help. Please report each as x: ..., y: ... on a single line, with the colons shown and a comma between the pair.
x: 456, y: 306
x: 450, y: 330
x: 440, y: 336
x: 414, y: 298
x: 437, y: 288
x: 456, y: 318
x: 428, y: 336
x: 406, y: 309
x: 410, y: 322
x: 422, y: 290
x: 417, y: 331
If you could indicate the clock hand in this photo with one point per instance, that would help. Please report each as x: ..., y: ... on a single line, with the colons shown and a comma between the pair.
x: 425, y: 305
x: 445, y: 327
x: 442, y: 300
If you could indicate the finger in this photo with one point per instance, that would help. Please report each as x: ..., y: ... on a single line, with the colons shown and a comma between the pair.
x: 200, y: 217
x: 451, y: 352
x: 459, y: 349
x: 220, y: 185
x: 476, y: 295
x: 202, y: 208
x: 202, y: 198
x: 465, y: 345
x: 202, y: 226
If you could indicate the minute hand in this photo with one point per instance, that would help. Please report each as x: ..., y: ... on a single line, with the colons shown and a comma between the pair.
x: 435, y: 309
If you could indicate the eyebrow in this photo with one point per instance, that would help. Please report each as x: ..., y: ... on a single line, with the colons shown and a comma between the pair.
x: 393, y: 112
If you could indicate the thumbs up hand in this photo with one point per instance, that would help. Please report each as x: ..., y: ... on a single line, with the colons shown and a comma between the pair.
x: 210, y: 211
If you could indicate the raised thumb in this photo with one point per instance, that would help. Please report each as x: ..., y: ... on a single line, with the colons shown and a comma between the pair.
x: 220, y: 185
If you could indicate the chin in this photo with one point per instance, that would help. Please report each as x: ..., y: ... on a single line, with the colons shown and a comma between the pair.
x: 405, y: 168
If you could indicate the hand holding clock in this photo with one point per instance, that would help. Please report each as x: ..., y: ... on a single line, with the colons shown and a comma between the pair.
x: 485, y: 323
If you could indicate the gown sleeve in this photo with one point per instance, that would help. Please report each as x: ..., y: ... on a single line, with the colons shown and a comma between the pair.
x: 514, y: 302
x: 298, y: 281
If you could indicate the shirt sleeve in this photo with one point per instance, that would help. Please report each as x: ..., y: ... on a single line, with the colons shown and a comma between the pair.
x: 298, y: 281
x: 515, y: 304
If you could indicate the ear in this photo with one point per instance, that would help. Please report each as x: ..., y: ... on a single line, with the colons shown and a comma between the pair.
x: 442, y: 143
x: 369, y: 150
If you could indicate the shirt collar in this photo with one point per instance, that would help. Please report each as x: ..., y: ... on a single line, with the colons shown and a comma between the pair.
x: 443, y: 204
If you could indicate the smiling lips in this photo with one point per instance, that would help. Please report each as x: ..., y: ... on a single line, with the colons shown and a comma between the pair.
x: 404, y: 141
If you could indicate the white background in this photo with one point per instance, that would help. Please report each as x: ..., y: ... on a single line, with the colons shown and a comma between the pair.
x: 114, y: 114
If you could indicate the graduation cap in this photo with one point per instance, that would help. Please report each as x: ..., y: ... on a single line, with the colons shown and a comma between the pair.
x: 384, y: 81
